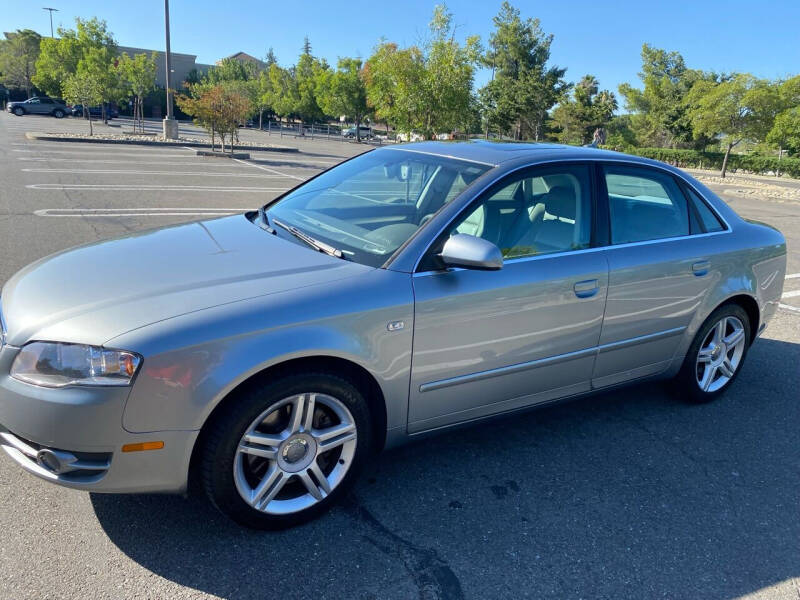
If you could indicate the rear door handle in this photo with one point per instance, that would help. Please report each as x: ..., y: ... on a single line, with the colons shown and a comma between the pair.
x: 701, y: 268
x: 586, y: 289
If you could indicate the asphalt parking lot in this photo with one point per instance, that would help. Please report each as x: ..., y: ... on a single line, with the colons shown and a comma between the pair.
x: 630, y: 494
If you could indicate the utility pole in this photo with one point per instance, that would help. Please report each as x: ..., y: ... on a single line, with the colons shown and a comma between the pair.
x: 51, y: 18
x: 170, y: 124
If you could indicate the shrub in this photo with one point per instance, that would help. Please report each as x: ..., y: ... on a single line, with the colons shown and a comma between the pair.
x: 694, y: 159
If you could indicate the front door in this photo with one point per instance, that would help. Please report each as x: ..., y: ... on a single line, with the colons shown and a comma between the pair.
x: 491, y: 341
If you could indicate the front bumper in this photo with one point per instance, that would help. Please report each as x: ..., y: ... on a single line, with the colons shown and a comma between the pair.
x: 85, y: 424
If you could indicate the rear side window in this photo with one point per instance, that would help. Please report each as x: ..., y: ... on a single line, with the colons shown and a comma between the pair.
x: 708, y: 220
x: 644, y: 205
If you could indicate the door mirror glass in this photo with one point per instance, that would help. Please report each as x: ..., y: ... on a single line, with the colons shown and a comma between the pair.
x: 470, y: 252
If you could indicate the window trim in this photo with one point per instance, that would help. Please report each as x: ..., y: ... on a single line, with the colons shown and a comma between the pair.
x: 685, y: 188
x: 499, y: 184
x: 645, y: 170
x: 599, y: 163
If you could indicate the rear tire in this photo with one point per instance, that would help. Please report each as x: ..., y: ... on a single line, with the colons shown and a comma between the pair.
x: 716, y: 355
x: 282, y: 453
x: 58, y: 113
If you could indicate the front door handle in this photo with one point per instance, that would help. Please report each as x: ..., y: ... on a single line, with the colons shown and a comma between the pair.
x: 587, y: 288
x: 701, y: 268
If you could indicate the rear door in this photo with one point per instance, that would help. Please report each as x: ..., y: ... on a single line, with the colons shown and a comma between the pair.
x: 660, y: 269
x: 492, y: 341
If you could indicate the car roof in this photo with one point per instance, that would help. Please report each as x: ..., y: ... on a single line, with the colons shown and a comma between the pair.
x: 497, y: 153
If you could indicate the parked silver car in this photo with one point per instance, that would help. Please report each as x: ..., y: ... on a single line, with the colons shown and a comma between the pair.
x: 39, y: 105
x: 403, y: 292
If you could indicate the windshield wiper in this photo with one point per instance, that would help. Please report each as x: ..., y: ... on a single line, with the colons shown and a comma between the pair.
x: 314, y: 243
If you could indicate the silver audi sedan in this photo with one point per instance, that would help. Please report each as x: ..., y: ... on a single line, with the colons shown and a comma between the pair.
x: 266, y: 356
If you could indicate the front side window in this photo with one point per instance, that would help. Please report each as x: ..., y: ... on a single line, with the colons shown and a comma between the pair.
x: 644, y: 205
x: 369, y: 206
x: 540, y: 211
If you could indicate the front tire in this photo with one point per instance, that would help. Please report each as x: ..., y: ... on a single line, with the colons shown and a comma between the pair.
x: 284, y: 452
x: 716, y: 355
x: 19, y: 111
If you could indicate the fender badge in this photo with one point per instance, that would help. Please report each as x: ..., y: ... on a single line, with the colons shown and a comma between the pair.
x: 395, y: 326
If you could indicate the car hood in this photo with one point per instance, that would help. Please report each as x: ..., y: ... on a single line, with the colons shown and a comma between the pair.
x: 93, y: 293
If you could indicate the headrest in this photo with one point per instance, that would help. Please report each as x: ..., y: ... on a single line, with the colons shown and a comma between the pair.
x: 561, y: 202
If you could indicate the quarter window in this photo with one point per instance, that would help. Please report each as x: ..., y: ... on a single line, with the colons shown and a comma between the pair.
x: 537, y: 212
x: 708, y: 220
x: 644, y: 205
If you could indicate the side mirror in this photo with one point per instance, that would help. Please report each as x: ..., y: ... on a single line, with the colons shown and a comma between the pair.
x: 470, y: 252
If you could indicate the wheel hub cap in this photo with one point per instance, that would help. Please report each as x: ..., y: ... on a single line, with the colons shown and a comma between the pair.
x: 297, y: 452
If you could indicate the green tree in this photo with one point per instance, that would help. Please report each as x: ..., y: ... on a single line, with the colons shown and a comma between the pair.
x: 18, y: 54
x: 138, y: 77
x: 84, y: 89
x: 281, y: 92
x: 230, y: 69
x: 523, y: 88
x: 589, y: 109
x: 59, y: 57
x: 306, y: 75
x: 737, y: 108
x: 343, y: 92
x: 100, y: 63
x: 394, y: 78
x: 661, y: 103
x: 429, y: 89
x: 219, y: 108
x: 785, y: 132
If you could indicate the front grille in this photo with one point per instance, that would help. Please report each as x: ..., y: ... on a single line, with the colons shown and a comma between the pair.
x: 80, y: 467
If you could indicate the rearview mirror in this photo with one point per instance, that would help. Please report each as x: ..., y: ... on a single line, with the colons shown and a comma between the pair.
x: 470, y: 252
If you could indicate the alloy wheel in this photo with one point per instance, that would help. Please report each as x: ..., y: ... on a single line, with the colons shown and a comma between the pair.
x: 295, y: 453
x: 720, y: 354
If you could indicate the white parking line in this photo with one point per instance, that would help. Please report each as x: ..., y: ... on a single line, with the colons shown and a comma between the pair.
x: 191, y: 162
x: 136, y: 212
x: 793, y: 309
x: 150, y: 188
x: 178, y: 173
x: 244, y: 162
x: 793, y: 294
x: 106, y: 152
x: 793, y: 276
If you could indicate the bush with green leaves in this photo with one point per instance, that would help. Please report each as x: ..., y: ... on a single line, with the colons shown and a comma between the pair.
x: 695, y: 159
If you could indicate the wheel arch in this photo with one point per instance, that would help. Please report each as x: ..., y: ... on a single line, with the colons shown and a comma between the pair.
x: 750, y: 306
x: 341, y: 367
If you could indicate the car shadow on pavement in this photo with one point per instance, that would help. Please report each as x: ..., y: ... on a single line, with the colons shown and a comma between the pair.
x: 627, y: 494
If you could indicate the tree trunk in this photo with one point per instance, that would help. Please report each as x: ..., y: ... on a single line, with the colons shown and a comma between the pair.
x: 725, y: 160
x: 103, y: 113
x: 260, y: 119
x: 778, y: 169
x: 358, y: 130
x: 88, y: 116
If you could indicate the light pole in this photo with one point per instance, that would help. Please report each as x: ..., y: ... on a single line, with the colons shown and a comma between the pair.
x: 170, y: 124
x: 51, y: 18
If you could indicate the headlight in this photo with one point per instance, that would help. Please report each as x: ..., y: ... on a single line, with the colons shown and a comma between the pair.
x: 52, y: 364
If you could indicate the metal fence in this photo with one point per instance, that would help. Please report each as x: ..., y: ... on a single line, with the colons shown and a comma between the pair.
x: 328, y: 131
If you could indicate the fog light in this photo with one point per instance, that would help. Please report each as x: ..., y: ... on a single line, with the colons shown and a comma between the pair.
x: 48, y: 459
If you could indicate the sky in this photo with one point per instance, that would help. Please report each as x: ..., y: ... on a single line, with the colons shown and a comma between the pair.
x: 601, y: 38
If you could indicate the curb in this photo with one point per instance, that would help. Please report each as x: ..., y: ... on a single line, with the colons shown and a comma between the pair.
x: 54, y: 138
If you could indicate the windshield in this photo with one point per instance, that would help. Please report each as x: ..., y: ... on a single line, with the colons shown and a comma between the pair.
x: 369, y: 206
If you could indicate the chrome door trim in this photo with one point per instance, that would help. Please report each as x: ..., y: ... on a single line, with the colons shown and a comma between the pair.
x: 550, y: 360
x: 588, y: 250
x: 641, y: 339
x: 533, y: 364
x: 566, y: 161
